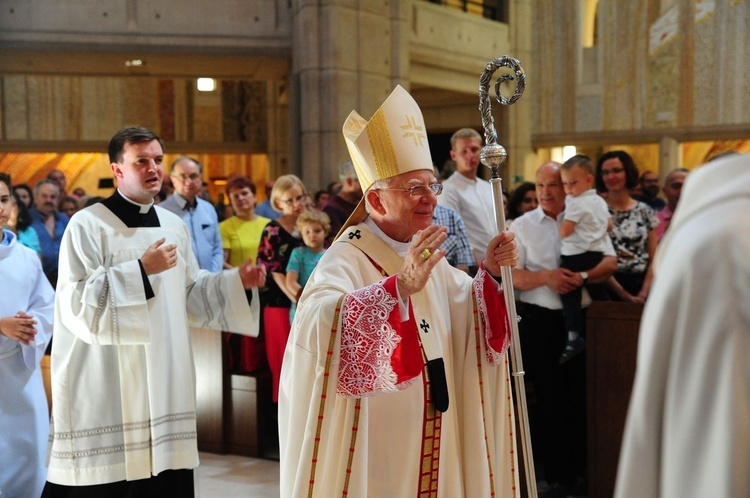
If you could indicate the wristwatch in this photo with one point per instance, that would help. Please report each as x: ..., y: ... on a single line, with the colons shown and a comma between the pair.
x: 584, y: 276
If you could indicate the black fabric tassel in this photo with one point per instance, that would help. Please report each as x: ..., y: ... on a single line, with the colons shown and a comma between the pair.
x: 438, y: 384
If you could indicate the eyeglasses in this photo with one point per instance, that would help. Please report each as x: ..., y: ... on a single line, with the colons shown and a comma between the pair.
x: 191, y: 177
x: 299, y: 200
x: 420, y: 190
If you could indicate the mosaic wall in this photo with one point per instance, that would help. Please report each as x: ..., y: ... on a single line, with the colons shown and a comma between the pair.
x: 680, y: 68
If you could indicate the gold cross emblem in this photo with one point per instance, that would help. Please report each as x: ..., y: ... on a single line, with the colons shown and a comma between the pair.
x: 411, y: 124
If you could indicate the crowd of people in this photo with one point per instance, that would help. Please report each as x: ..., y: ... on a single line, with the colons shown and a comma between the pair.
x: 374, y: 231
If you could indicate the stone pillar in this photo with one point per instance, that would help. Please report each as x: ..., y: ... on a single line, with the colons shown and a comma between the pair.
x: 277, y: 112
x: 521, y: 156
x: 669, y: 156
x: 346, y: 55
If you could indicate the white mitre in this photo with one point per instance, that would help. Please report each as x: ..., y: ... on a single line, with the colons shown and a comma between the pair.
x: 392, y: 142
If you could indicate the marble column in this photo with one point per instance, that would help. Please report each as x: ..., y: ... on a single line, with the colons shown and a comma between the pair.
x: 347, y: 55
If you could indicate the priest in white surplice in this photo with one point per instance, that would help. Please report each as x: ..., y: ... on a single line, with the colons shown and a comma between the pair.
x: 129, y: 287
x: 688, y: 427
x: 395, y: 379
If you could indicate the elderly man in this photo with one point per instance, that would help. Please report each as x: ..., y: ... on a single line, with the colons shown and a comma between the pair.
x: 199, y: 215
x: 558, y: 419
x: 395, y: 380
x: 49, y: 225
x: 123, y: 392
x: 672, y: 189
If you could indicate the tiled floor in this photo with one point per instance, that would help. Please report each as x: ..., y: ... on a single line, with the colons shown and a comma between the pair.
x: 227, y: 476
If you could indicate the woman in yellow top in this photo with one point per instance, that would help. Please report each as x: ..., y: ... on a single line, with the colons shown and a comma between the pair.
x: 240, y: 236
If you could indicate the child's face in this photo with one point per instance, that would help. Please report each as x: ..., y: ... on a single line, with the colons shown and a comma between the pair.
x: 313, y: 235
x: 576, y: 180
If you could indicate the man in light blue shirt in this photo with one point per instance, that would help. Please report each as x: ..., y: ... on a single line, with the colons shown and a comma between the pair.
x: 198, y: 215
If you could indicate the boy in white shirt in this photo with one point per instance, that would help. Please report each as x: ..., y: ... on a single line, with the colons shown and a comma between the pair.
x: 583, y: 233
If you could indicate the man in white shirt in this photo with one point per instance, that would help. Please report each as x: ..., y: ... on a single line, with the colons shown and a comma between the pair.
x: 467, y: 194
x: 558, y: 416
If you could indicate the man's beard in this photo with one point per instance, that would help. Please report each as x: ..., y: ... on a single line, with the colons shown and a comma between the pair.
x: 650, y: 192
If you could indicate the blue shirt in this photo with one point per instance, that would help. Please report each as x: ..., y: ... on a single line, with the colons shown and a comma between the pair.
x: 265, y: 210
x: 457, y: 248
x: 8, y: 236
x: 302, y: 261
x: 50, y: 244
x: 30, y: 239
x: 203, y: 225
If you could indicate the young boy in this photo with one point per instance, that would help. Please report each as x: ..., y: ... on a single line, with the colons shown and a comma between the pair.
x: 584, y: 237
x: 314, y: 226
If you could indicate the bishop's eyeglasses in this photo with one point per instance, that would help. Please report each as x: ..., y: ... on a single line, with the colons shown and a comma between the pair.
x: 419, y: 190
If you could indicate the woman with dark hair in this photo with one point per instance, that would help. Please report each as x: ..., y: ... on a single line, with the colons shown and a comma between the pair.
x: 19, y: 222
x: 240, y: 236
x: 522, y: 200
x: 241, y: 233
x: 633, y: 233
x: 23, y: 192
x: 321, y: 199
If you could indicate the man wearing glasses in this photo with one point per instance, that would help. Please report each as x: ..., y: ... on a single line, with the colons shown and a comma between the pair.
x: 198, y: 214
x: 395, y: 380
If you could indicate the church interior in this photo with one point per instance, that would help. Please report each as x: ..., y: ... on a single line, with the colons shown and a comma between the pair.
x: 262, y: 88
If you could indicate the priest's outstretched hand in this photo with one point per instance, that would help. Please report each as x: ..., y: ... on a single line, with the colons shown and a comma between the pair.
x: 159, y: 257
x: 252, y: 275
x: 501, y: 251
x: 423, y: 255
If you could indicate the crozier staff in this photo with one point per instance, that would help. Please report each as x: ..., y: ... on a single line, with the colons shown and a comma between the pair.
x: 395, y: 380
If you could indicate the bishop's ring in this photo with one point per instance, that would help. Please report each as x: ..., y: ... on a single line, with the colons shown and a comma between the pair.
x: 425, y: 253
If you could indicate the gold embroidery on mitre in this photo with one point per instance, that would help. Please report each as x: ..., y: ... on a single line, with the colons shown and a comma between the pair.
x: 411, y: 124
x: 386, y: 163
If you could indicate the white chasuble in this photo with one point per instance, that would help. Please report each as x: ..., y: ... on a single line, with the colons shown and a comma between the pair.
x: 688, y: 426
x: 355, y: 417
x: 122, y: 367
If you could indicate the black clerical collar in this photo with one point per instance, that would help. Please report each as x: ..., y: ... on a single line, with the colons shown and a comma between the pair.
x: 132, y: 214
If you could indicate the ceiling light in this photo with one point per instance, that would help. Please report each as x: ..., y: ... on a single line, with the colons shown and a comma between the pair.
x: 206, y: 84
